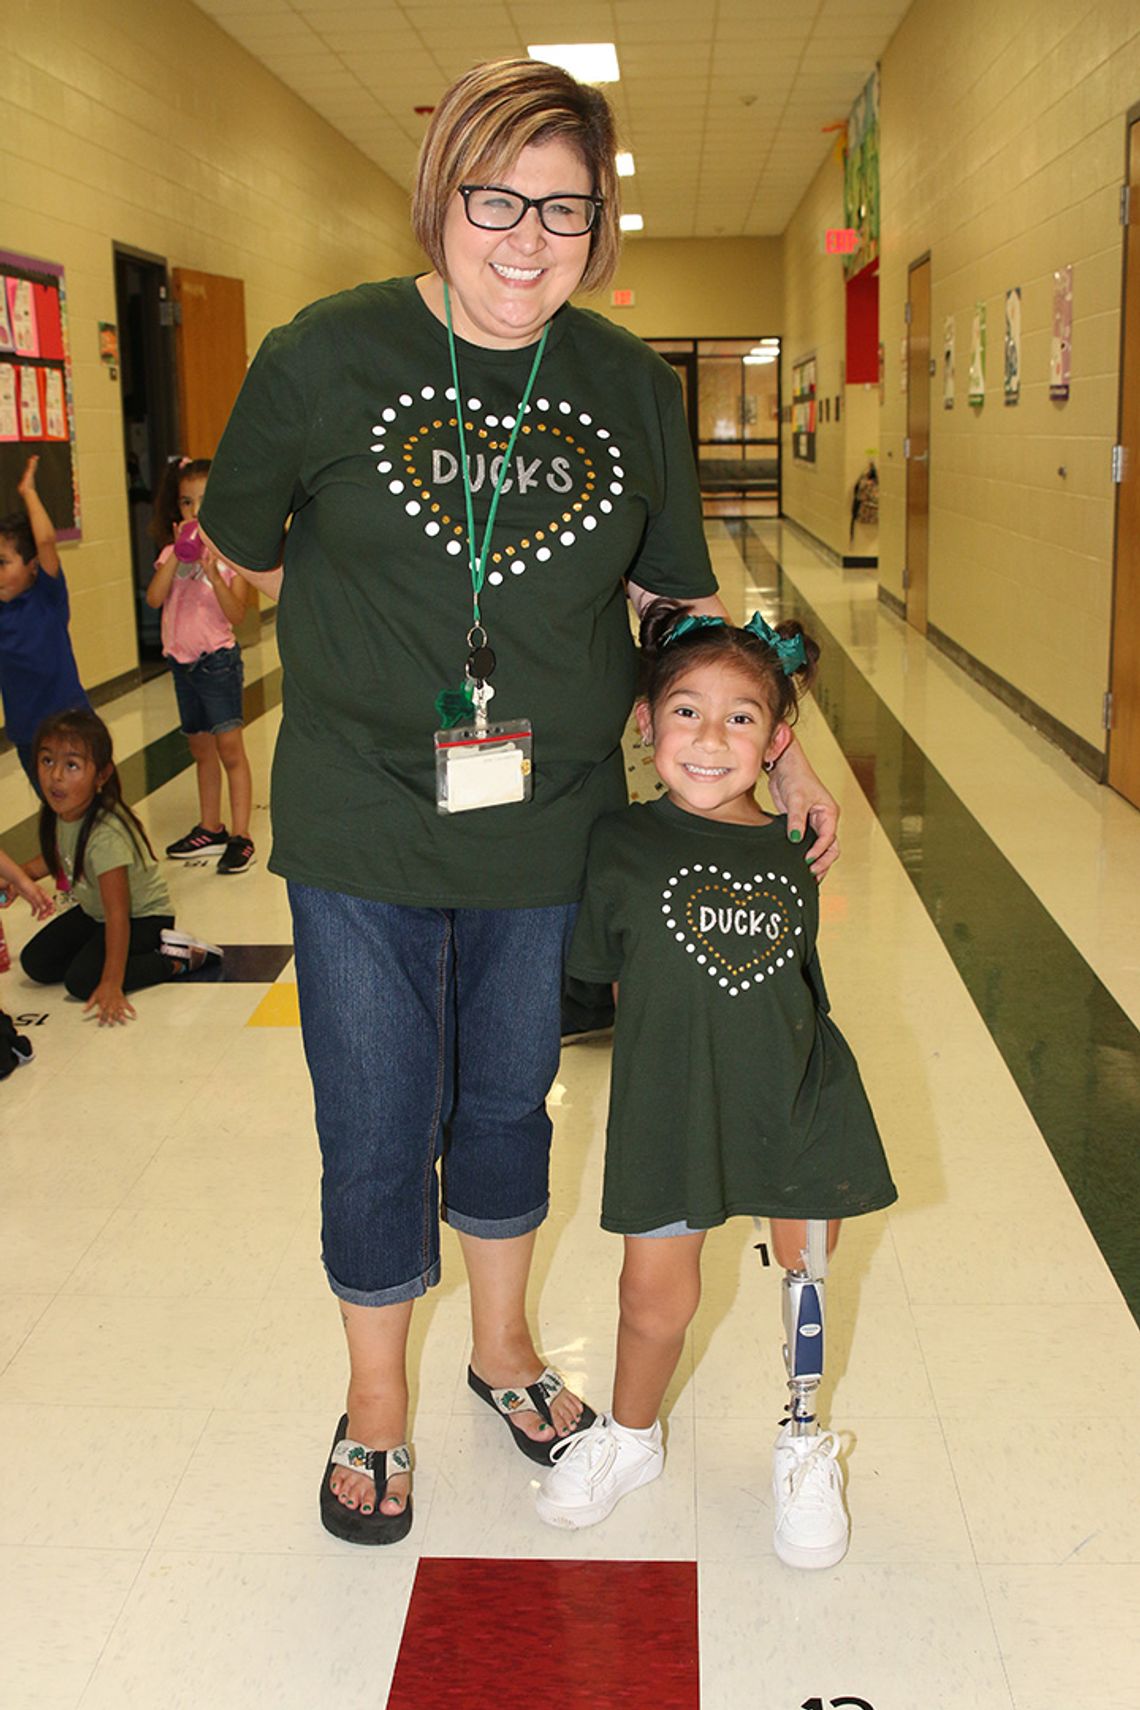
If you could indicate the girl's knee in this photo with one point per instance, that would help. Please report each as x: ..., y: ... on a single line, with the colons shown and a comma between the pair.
x: 660, y: 1308
x: 79, y: 984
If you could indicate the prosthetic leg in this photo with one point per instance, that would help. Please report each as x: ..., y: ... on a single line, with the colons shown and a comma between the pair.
x: 811, y: 1528
x: 803, y: 1292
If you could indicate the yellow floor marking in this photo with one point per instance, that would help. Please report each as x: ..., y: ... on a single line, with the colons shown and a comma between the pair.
x: 278, y: 1008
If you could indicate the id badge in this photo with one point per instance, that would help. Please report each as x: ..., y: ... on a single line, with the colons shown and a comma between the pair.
x: 483, y: 766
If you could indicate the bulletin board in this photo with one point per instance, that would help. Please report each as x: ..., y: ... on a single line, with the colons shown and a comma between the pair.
x: 37, y: 412
x: 804, y: 410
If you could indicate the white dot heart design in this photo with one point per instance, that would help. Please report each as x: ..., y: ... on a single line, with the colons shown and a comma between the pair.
x: 741, y: 932
x: 568, y: 469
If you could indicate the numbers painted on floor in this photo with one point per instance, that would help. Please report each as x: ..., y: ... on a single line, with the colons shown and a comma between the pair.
x: 30, y: 1020
x: 836, y: 1704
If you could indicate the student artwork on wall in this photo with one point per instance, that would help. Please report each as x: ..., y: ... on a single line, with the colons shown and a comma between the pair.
x: 1060, y: 355
x: 1013, y: 345
x: 37, y: 415
x: 948, y: 363
x: 978, y: 355
x: 861, y: 177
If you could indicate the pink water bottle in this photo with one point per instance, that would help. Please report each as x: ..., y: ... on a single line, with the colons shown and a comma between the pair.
x: 188, y: 543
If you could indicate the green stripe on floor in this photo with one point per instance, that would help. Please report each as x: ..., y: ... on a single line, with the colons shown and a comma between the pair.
x: 1072, y: 1050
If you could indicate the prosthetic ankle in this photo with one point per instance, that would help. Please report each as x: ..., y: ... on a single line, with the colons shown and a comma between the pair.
x: 802, y: 1293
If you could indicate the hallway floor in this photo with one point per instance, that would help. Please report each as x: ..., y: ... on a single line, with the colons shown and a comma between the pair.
x: 172, y: 1366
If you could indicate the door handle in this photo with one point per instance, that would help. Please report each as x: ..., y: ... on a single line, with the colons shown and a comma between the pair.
x: 920, y: 457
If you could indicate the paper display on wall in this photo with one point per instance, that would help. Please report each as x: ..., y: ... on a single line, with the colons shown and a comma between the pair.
x: 9, y: 405
x: 978, y: 355
x: 55, y: 410
x: 1060, y: 355
x: 1012, y: 367
x: 22, y: 314
x: 948, y: 363
x: 31, y: 415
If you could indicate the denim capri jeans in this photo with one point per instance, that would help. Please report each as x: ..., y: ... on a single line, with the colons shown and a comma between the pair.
x: 432, y: 1037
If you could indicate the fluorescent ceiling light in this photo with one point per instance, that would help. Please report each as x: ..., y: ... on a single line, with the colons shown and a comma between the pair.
x: 754, y: 361
x: 589, y: 62
x: 632, y: 223
x: 624, y: 163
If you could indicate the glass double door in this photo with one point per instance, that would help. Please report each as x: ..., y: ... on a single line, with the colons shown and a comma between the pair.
x: 732, y: 399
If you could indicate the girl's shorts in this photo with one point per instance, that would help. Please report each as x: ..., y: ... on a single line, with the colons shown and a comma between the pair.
x: 209, y: 692
x: 681, y: 1228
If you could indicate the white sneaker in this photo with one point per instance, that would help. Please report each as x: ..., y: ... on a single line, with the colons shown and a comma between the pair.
x: 590, y: 1473
x: 812, y: 1528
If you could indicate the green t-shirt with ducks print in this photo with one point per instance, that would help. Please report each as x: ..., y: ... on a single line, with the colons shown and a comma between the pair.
x: 733, y: 1090
x: 346, y: 420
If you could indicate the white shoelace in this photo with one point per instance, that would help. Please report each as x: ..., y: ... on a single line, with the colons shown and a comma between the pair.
x: 813, y: 1477
x: 595, y: 1447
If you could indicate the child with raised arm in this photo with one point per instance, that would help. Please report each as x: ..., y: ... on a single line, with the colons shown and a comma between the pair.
x: 38, y: 674
x: 119, y: 935
x: 201, y: 599
x: 733, y: 1092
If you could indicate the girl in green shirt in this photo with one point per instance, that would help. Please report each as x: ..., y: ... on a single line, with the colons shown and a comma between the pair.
x: 733, y: 1091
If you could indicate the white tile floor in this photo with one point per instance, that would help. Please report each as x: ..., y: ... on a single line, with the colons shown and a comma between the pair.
x: 171, y: 1364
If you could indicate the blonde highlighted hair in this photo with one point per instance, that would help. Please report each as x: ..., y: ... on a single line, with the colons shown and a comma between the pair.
x: 481, y: 126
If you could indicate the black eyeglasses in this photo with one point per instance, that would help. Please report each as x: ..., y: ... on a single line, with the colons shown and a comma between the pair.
x: 494, y: 209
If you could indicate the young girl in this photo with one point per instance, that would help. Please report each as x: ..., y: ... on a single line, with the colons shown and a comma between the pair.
x: 201, y: 600
x: 119, y: 935
x: 733, y: 1092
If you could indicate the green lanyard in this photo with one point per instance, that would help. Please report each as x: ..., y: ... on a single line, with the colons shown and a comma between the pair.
x: 479, y: 559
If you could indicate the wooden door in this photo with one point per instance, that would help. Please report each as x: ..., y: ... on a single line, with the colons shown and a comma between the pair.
x: 211, y: 367
x: 918, y: 445
x: 1124, y: 680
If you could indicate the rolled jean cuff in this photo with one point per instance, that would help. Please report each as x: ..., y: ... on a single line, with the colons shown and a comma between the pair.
x: 386, y: 1296
x: 496, y: 1228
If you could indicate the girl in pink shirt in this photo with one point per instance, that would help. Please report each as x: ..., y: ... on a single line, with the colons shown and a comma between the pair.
x: 201, y: 600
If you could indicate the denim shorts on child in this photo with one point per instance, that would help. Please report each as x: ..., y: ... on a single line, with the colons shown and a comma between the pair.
x: 209, y: 692
x: 432, y: 1037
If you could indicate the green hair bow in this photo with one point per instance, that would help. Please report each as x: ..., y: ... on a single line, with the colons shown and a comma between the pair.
x: 790, y: 649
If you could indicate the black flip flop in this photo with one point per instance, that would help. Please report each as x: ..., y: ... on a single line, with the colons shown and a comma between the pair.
x: 351, y: 1524
x: 532, y: 1397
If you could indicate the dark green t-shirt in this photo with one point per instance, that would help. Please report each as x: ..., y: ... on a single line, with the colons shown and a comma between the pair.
x: 345, y: 421
x: 733, y: 1091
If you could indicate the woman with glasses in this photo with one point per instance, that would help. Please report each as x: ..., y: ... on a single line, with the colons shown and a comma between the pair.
x: 477, y: 476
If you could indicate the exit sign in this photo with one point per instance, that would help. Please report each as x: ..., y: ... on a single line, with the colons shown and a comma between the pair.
x: 623, y: 299
x: 840, y: 240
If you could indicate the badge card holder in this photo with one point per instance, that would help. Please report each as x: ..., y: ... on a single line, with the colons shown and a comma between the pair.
x: 479, y: 766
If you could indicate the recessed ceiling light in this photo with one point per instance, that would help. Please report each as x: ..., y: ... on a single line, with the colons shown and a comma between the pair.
x: 624, y: 163
x: 589, y: 62
x: 632, y: 223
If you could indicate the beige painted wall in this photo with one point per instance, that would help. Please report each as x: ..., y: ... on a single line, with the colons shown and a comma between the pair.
x: 817, y: 495
x: 1003, y: 133
x: 698, y: 288
x: 163, y: 134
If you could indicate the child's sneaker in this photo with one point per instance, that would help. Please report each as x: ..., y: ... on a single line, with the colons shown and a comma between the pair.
x: 198, y: 842
x: 811, y: 1525
x: 194, y: 952
x: 237, y: 856
x: 590, y: 1473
